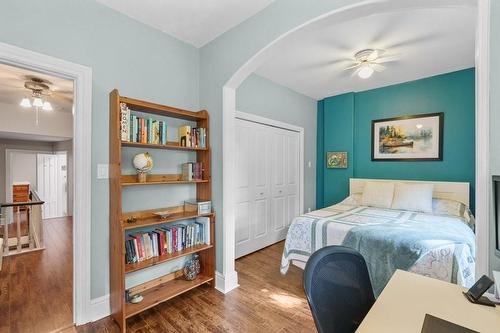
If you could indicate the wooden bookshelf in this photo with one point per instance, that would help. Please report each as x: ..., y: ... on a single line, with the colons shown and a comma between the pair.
x: 122, y: 222
x: 164, y: 292
x: 169, y: 145
x: 129, y: 268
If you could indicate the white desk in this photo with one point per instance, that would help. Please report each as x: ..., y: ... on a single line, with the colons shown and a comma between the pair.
x: 408, y: 297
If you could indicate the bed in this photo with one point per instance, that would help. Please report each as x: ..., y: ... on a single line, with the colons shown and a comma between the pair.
x: 438, y: 243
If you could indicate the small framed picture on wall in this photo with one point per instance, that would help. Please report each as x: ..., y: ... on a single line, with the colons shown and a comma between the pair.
x: 336, y: 160
x: 409, y: 138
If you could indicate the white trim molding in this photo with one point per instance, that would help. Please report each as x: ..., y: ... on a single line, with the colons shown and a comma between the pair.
x: 82, y: 144
x: 226, y: 283
x: 99, y: 308
x: 483, y: 180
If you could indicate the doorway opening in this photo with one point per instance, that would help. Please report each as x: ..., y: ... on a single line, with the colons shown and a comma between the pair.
x: 36, y: 142
x: 227, y: 279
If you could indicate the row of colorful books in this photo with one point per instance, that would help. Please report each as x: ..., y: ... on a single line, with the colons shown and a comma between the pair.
x: 141, y: 130
x: 192, y: 171
x: 192, y: 137
x: 166, y: 240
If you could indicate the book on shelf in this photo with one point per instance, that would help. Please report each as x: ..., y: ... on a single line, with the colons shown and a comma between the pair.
x: 124, y: 122
x: 192, y: 137
x: 166, y: 240
x: 141, y: 130
x: 192, y: 171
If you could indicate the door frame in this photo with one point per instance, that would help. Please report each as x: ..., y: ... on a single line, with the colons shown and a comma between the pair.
x: 252, y: 118
x: 227, y: 280
x: 82, y: 145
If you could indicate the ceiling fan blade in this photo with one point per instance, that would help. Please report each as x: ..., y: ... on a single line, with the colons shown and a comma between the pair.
x: 354, y: 73
x: 375, y: 54
x: 377, y: 67
x: 352, y: 66
x: 389, y: 58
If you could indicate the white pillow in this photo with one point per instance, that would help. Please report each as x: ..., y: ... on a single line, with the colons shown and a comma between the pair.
x: 378, y: 194
x: 413, y: 197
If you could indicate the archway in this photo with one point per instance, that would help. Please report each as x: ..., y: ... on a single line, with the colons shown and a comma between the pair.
x: 228, y: 279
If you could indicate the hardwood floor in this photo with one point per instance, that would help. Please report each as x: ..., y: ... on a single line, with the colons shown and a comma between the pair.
x: 36, y: 288
x: 265, y: 302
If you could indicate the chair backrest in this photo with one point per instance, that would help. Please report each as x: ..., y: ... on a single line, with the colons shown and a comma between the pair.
x: 338, y: 289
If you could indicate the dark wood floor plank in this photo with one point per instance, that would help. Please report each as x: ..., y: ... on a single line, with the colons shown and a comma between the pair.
x: 36, y: 288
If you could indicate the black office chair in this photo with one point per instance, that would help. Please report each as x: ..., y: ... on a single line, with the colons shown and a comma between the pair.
x: 338, y: 289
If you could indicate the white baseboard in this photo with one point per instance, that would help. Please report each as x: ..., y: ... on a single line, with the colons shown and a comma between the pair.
x: 225, y: 284
x: 99, y: 308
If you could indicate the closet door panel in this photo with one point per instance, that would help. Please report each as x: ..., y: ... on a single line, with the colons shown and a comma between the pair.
x: 244, y: 194
x: 260, y: 169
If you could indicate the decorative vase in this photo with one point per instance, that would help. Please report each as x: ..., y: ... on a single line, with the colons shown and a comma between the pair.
x: 142, y: 177
x: 192, y: 268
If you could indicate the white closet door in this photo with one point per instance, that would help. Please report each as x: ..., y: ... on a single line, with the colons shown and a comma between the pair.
x: 47, y: 183
x: 267, y: 186
x: 52, y: 184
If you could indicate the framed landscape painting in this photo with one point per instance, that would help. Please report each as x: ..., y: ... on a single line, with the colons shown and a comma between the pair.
x: 409, y: 138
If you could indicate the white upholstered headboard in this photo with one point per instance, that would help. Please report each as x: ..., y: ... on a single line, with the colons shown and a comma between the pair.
x: 442, y: 190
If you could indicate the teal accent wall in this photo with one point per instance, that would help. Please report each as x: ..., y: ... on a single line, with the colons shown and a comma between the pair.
x: 320, y: 172
x: 338, y: 121
x: 347, y: 126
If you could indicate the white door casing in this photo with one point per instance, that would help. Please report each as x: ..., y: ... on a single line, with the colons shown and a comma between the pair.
x: 267, y: 185
x: 82, y: 129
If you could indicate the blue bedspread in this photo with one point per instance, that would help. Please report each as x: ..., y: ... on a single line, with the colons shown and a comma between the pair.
x: 400, y: 244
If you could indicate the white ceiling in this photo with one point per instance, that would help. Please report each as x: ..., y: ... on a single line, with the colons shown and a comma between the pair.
x: 12, y: 88
x: 428, y: 42
x: 196, y: 22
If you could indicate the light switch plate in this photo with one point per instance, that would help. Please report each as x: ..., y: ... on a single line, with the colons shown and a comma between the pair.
x: 102, y: 171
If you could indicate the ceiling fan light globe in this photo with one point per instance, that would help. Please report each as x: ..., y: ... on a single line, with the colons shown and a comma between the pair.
x: 47, y: 106
x: 365, y: 72
x: 25, y: 103
x: 37, y: 102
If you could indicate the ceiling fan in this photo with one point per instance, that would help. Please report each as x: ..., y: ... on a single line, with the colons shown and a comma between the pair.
x: 368, y: 61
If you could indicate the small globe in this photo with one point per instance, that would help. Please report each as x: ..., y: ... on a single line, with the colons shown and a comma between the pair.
x: 143, y: 162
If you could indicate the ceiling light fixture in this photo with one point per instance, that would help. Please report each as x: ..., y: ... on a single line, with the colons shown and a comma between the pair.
x: 25, y: 102
x: 39, y: 88
x: 365, y: 71
x: 47, y: 106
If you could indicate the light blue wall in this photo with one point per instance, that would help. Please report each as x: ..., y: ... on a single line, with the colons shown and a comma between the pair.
x: 221, y: 58
x: 494, y: 120
x: 141, y: 62
x: 265, y: 98
x: 348, y: 118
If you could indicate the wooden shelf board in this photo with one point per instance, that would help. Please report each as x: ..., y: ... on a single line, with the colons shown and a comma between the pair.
x: 169, y: 145
x: 164, y: 292
x: 162, y: 110
x: 129, y: 268
x: 165, y: 182
x: 146, y: 222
